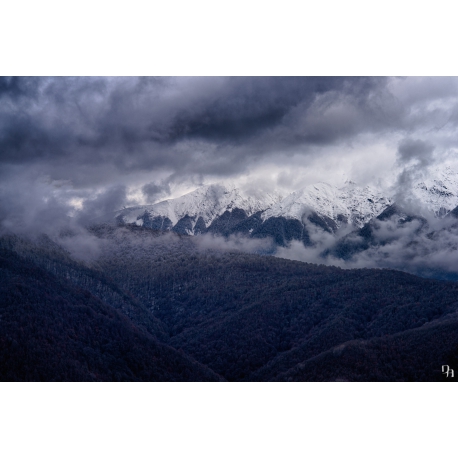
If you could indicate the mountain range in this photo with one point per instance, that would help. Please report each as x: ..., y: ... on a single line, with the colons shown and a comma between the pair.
x: 315, y: 209
x: 196, y: 211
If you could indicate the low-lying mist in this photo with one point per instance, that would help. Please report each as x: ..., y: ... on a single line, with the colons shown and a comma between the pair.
x: 426, y: 247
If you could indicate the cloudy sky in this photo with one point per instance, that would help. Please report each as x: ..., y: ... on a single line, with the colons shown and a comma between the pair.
x: 104, y: 143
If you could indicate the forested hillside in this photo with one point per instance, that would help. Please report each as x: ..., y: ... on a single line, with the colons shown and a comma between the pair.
x: 51, y: 330
x: 155, y: 307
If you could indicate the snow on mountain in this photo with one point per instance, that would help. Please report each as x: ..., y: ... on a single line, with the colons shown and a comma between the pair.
x: 439, y: 192
x: 207, y: 202
x: 348, y: 204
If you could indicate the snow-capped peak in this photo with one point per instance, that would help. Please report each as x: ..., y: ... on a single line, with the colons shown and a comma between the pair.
x: 439, y: 191
x: 207, y: 202
x: 349, y: 203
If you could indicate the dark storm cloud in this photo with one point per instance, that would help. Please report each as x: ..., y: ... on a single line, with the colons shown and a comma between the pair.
x: 203, y: 125
x: 154, y: 191
x: 251, y: 105
x: 91, y: 130
x: 85, y: 137
x: 15, y: 87
x: 103, y: 206
x: 414, y: 157
x: 415, y: 150
x: 27, y: 206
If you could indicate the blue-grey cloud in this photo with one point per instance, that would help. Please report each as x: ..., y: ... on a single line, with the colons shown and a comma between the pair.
x: 92, y: 133
x: 203, y: 125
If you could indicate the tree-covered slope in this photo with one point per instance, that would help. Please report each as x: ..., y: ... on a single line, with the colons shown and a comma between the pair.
x: 251, y: 317
x: 53, y: 331
x: 243, y: 317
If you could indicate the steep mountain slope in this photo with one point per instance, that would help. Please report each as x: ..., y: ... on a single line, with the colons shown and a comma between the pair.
x: 439, y: 192
x: 195, y: 212
x: 52, y: 331
x: 350, y: 204
x: 225, y: 210
x: 198, y: 208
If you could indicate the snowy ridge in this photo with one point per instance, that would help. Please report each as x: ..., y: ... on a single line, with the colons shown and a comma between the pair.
x: 207, y: 202
x: 351, y: 203
x: 438, y: 193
